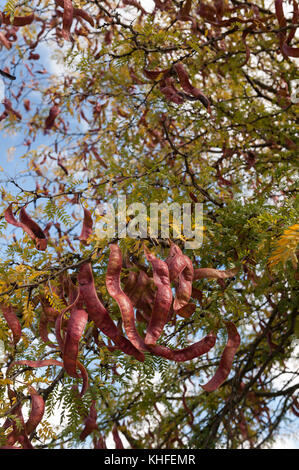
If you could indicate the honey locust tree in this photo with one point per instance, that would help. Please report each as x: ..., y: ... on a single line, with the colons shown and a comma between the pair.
x: 159, y: 101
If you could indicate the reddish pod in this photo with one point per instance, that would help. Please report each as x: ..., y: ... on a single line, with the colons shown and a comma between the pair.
x: 181, y: 268
x: 86, y: 227
x: 184, y: 288
x: 116, y: 438
x: 29, y: 226
x: 163, y: 298
x: 186, y: 354
x: 18, y: 20
x: 188, y: 87
x: 5, y: 42
x: 75, y: 328
x: 37, y: 411
x: 35, y: 364
x: 226, y: 360
x: 90, y: 422
x: 100, y: 443
x: 53, y: 113
x: 12, y: 321
x: 211, y: 273
x: 68, y: 13
x: 99, y: 315
x: 123, y: 301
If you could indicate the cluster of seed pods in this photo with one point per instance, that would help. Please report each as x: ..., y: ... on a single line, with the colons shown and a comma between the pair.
x: 153, y: 295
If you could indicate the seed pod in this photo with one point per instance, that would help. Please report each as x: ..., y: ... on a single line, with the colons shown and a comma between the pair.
x: 12, y: 321
x: 86, y: 228
x: 75, y: 329
x: 37, y: 411
x: 99, y: 315
x: 53, y: 113
x: 90, y: 422
x: 162, y: 301
x: 181, y: 268
x: 29, y: 226
x: 116, y: 438
x: 5, y: 42
x: 100, y: 444
x: 68, y: 12
x: 43, y: 332
x: 35, y: 364
x: 186, y: 311
x: 188, y: 87
x: 185, y: 354
x: 170, y: 92
x: 18, y: 20
x: 184, y: 288
x: 211, y: 273
x: 123, y: 301
x: 226, y: 360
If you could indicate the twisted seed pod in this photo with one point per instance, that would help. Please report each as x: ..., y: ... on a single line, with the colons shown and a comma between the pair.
x: 29, y: 226
x: 37, y: 411
x: 90, y: 422
x: 211, y: 273
x: 75, y: 328
x: 188, y: 87
x: 86, y: 228
x: 68, y: 13
x: 116, y: 438
x: 185, y: 354
x: 162, y: 301
x: 123, y: 301
x: 18, y: 20
x: 99, y: 315
x: 53, y: 113
x: 226, y: 360
x: 12, y: 321
x: 181, y: 268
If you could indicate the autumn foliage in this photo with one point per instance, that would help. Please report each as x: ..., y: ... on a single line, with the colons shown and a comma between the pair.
x: 141, y: 342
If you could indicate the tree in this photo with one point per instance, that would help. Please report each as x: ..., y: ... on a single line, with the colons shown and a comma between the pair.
x: 174, y: 102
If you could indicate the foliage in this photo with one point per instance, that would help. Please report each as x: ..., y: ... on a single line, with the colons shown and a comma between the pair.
x: 170, y: 102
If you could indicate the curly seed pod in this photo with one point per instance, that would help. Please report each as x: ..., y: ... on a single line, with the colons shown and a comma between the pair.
x: 184, y: 288
x: 29, y: 226
x: 86, y: 227
x: 90, y: 422
x: 79, y: 13
x: 75, y: 328
x: 186, y: 354
x: 162, y: 301
x: 37, y: 411
x: 226, y: 360
x: 43, y: 332
x: 186, y: 311
x: 5, y: 42
x: 116, y: 438
x: 123, y: 301
x: 12, y: 321
x: 35, y: 364
x: 188, y: 87
x: 211, y: 273
x: 181, y: 268
x: 139, y: 288
x: 53, y: 113
x: 18, y: 20
x: 99, y: 315
x: 100, y: 443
